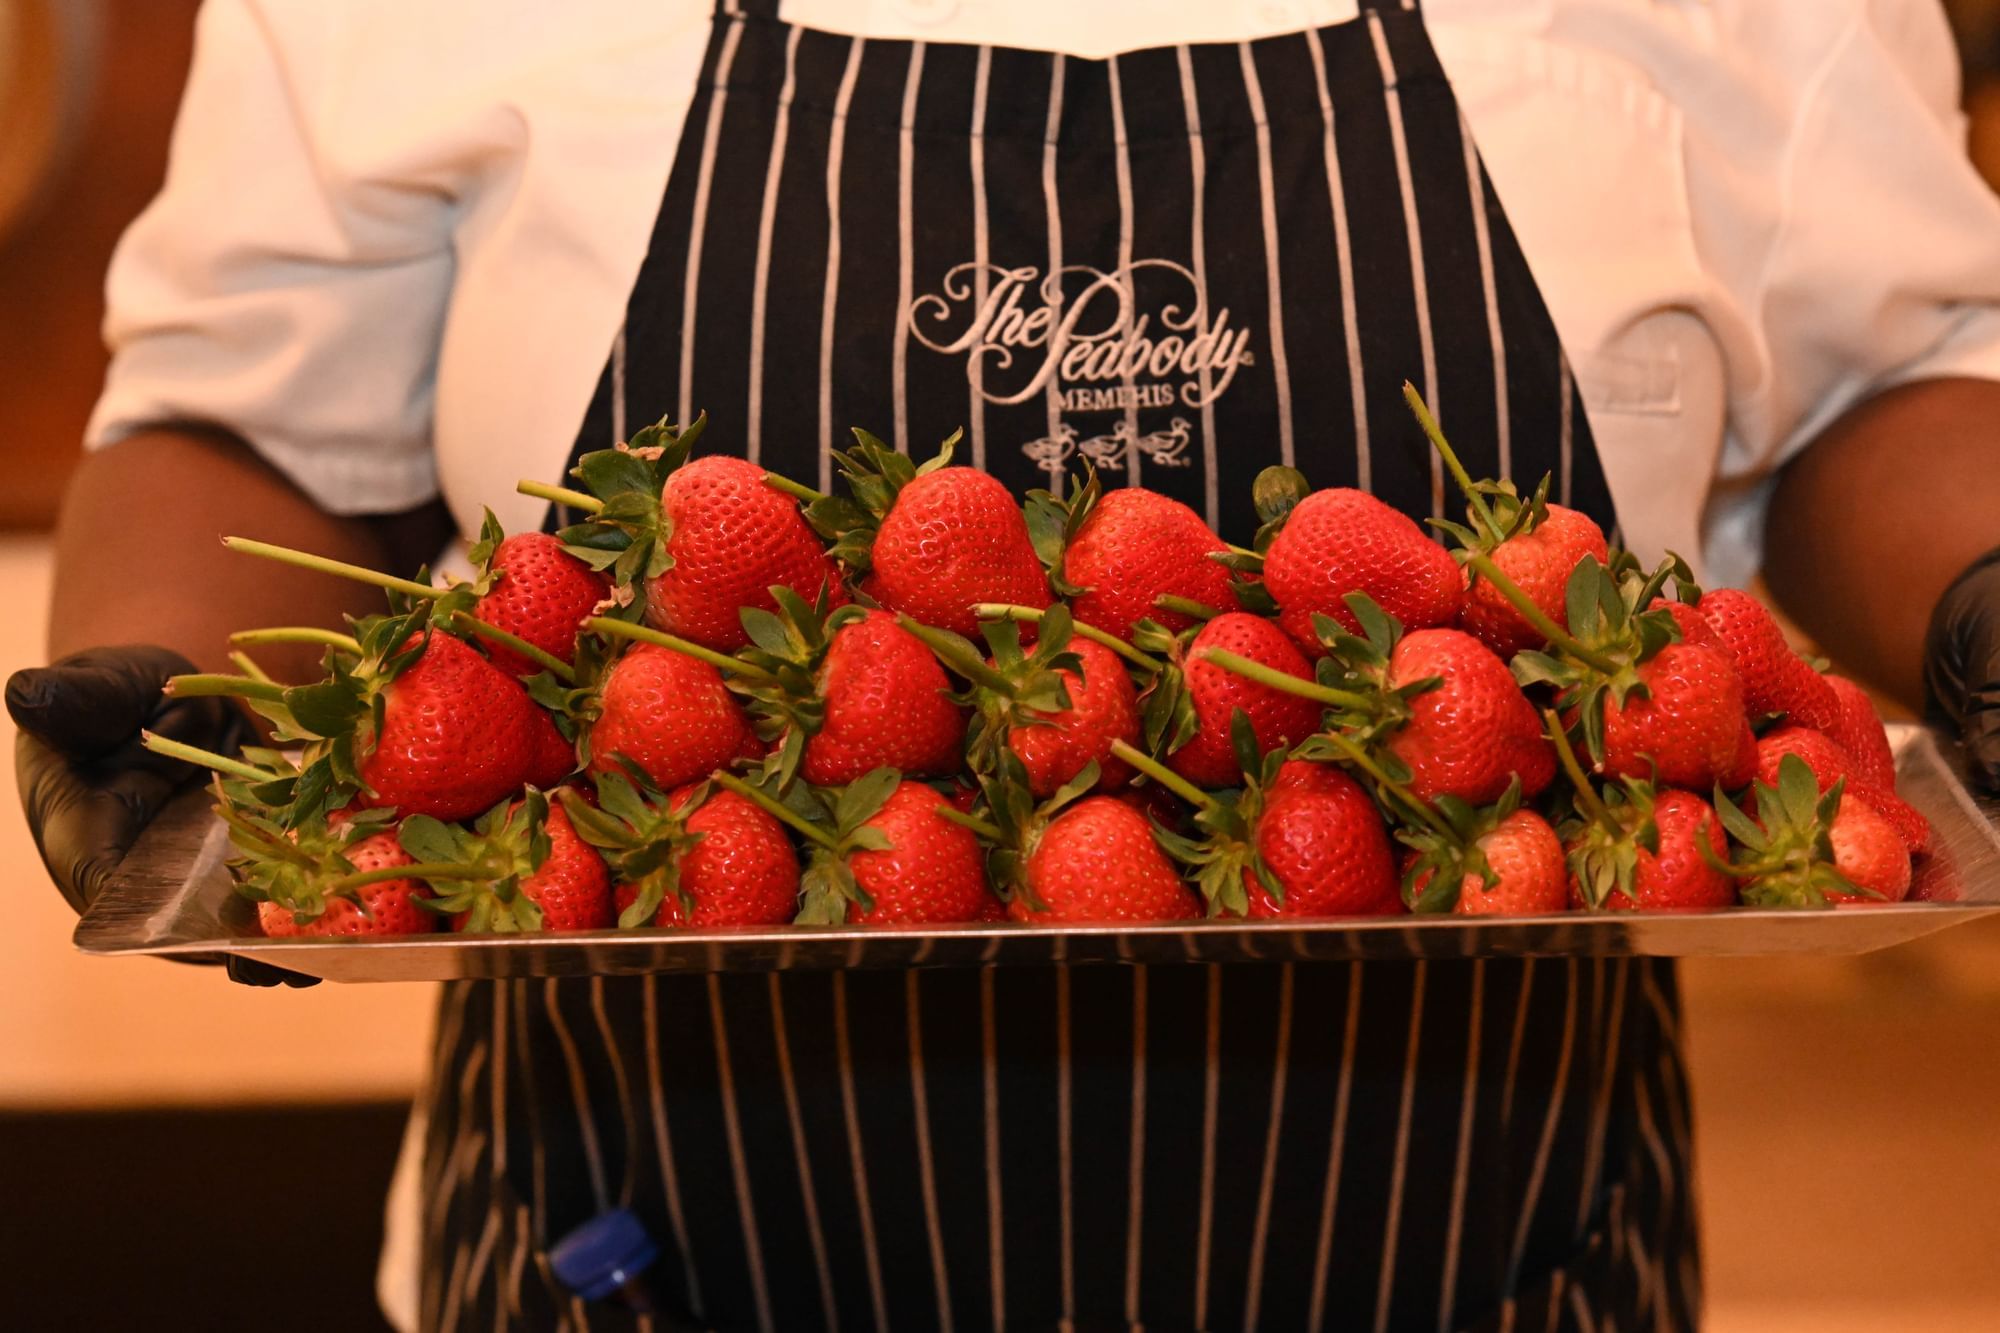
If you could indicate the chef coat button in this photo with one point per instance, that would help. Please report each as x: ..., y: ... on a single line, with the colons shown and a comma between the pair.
x: 928, y: 11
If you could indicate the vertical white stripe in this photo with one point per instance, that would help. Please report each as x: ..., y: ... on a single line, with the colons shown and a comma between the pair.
x: 1198, y: 174
x: 1554, y: 1306
x: 1336, y: 1148
x: 1260, y: 1233
x: 1210, y: 1095
x: 1344, y: 254
x: 1058, y: 69
x: 1579, y: 1305
x: 1468, y: 1109
x: 767, y: 217
x: 836, y: 146
x: 539, y: 1158
x: 1503, y: 423
x: 1565, y: 437
x: 1514, y: 1046
x: 1557, y: 1092
x: 475, y: 1272
x: 1267, y: 199
x: 517, y: 1271
x: 927, y: 1171
x: 739, y: 1168
x: 1065, y: 1145
x: 1132, y: 460
x: 586, y: 1114
x: 905, y: 243
x: 703, y: 180
x: 497, y: 1158
x: 1136, y: 1164
x: 844, y: 1053
x: 1600, y: 1114
x: 996, y: 1262
x: 466, y: 1143
x: 620, y: 1077
x: 618, y: 386
x: 808, y: 1196
x: 1419, y: 283
x: 1649, y: 1130
x: 663, y: 1142
x: 1392, y: 1223
x: 976, y: 404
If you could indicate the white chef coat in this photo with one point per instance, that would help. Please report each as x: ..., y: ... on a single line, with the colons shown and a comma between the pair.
x: 396, y: 239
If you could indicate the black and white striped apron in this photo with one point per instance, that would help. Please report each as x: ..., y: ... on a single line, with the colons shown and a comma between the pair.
x: 1253, y: 245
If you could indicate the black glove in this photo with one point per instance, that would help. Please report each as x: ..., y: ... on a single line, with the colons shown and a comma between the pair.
x: 88, y: 786
x: 1962, y: 665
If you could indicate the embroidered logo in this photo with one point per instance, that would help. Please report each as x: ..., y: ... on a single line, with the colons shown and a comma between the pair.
x: 1081, y: 333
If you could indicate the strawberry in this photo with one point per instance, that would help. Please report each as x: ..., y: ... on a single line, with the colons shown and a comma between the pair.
x: 1535, y: 545
x: 670, y: 713
x: 890, y: 857
x: 930, y: 542
x: 533, y: 589
x: 1694, y: 627
x: 1299, y: 840
x: 300, y: 877
x: 1775, y: 679
x: 1115, y: 554
x: 1342, y: 541
x: 520, y: 867
x: 1098, y: 861
x: 1637, y: 846
x: 408, y: 718
x: 1682, y: 724
x: 1509, y: 865
x: 1058, y: 707
x: 554, y: 754
x: 847, y: 693
x: 697, y: 540
x: 1808, y: 848
x: 1860, y: 732
x: 1207, y: 697
x: 1831, y: 763
x: 698, y: 857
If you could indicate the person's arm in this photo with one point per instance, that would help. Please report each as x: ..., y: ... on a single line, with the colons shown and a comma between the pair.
x: 139, y: 557
x: 1873, y: 521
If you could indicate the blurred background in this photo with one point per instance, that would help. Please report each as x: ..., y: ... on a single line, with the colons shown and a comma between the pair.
x: 158, y: 1125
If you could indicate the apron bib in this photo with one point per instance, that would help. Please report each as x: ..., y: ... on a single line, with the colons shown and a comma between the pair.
x: 1183, y: 265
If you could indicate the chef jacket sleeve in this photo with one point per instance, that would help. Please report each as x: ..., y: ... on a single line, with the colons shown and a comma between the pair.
x: 1882, y: 258
x: 271, y: 290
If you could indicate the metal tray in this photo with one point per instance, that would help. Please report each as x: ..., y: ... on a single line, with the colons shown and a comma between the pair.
x: 172, y: 896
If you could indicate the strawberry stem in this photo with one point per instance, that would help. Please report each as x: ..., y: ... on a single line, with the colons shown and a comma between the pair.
x: 797, y: 490
x: 424, y: 870
x: 1234, y: 549
x: 561, y: 495
x: 1586, y: 795
x: 1417, y: 804
x: 1186, y: 606
x: 1473, y: 499
x: 205, y: 684
x: 194, y: 754
x: 332, y: 638
x: 1539, y: 618
x: 1282, y: 681
x: 320, y: 564
x: 625, y: 629
x: 1029, y: 615
x: 951, y: 814
x: 248, y: 666
x: 1163, y: 775
x: 777, y: 809
x: 546, y: 660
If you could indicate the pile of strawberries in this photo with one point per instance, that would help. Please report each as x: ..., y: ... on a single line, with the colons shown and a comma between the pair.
x: 723, y: 699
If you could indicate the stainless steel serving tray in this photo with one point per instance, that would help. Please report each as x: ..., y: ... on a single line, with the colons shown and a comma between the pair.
x: 172, y: 896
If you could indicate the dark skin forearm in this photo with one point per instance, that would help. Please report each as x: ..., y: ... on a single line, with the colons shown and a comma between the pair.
x: 139, y: 557
x: 1878, y: 515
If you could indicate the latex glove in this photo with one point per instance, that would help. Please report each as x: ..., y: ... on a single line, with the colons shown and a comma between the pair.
x: 87, y: 785
x: 1962, y: 665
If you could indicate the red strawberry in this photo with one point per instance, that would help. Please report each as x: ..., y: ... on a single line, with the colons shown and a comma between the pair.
x: 1279, y: 719
x: 927, y: 870
x: 1861, y: 733
x: 699, y: 857
x: 1103, y: 707
x: 520, y: 867
x: 1775, y: 679
x: 1514, y: 868
x: 1694, y: 627
x: 532, y: 588
x: 1617, y: 864
x: 1830, y: 763
x: 554, y: 754
x: 1323, y: 840
x: 1869, y: 853
x: 1684, y: 727
x: 1097, y: 861
x: 932, y: 541
x: 1811, y: 848
x: 1475, y: 732
x: 1342, y: 541
x: 1120, y: 551
x: 666, y: 712
x: 297, y: 898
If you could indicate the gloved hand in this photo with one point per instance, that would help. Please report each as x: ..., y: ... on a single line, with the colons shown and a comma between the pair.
x: 88, y: 786
x: 1962, y: 664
